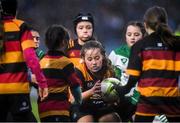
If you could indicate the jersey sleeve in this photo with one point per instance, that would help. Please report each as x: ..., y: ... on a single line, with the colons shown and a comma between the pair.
x: 26, y: 37
x: 30, y: 57
x: 135, y: 61
x: 71, y: 75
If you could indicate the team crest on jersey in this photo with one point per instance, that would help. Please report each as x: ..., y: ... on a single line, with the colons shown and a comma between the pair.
x: 159, y: 44
x: 72, y: 54
x: 124, y: 60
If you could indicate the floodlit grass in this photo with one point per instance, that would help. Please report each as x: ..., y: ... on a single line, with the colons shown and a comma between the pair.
x: 35, y: 109
x: 33, y: 98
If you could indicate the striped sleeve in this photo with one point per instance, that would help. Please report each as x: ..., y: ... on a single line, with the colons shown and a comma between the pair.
x: 71, y: 75
x: 135, y: 66
x: 26, y: 37
x: 27, y: 41
x: 33, y: 63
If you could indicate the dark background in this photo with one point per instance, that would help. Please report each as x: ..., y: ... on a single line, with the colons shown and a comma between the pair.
x: 110, y: 15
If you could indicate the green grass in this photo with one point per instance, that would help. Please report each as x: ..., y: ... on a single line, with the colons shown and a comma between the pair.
x: 33, y: 98
x: 35, y: 109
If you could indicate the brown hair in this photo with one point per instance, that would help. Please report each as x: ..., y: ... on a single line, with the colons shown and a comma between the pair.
x: 55, y: 35
x: 156, y: 18
x: 107, y: 70
x: 137, y: 24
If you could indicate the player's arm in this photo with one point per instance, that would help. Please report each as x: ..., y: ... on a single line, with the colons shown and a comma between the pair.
x: 122, y: 90
x: 86, y: 94
x: 74, y: 82
x: 33, y: 62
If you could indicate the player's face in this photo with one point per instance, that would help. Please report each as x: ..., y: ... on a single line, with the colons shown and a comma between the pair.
x: 36, y: 38
x: 84, y: 30
x: 133, y: 34
x: 93, y: 59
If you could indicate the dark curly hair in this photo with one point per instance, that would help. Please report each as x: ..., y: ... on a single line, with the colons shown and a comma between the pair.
x: 107, y: 69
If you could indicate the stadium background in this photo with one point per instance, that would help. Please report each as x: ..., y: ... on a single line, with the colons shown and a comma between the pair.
x: 110, y: 15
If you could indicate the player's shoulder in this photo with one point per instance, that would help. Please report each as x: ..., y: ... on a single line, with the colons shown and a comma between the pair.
x: 19, y: 22
x: 122, y: 48
x: 66, y: 60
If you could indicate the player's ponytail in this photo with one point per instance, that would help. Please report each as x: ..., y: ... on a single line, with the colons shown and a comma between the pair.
x: 166, y: 35
x: 156, y: 19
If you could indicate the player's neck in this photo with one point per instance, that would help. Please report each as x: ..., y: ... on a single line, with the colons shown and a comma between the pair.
x: 80, y: 42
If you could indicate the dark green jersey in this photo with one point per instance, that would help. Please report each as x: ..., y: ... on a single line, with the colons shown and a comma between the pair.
x: 40, y: 53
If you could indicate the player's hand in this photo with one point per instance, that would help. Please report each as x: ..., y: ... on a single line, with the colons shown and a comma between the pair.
x: 119, y: 89
x: 97, y: 87
x: 43, y: 93
x: 33, y: 79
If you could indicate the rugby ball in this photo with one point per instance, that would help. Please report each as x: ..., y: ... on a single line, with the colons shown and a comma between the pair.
x: 109, y: 94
